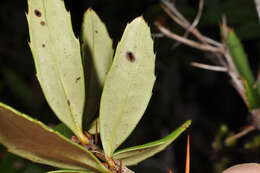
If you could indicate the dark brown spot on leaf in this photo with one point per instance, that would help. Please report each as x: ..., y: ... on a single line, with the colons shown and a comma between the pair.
x: 68, y: 102
x: 42, y: 23
x: 43, y: 45
x: 78, y: 78
x: 37, y: 13
x: 96, y: 31
x: 130, y: 56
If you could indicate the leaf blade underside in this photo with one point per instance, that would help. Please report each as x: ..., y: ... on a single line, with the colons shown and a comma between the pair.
x: 57, y: 57
x: 97, y: 56
x: 128, y: 86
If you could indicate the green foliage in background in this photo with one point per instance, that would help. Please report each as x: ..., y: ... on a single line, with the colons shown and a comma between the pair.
x: 240, y: 59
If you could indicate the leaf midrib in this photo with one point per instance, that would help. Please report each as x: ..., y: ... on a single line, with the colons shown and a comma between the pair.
x: 122, y: 108
x: 58, y: 71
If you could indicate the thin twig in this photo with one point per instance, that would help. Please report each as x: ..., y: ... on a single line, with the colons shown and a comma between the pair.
x: 209, y: 67
x: 257, y: 5
x: 191, y: 43
x: 213, y: 42
x: 194, y: 24
x: 219, y: 59
x: 186, y: 24
x: 197, y: 18
x: 183, y: 24
x: 221, y: 50
x: 240, y: 134
x: 173, y: 17
x: 174, y: 10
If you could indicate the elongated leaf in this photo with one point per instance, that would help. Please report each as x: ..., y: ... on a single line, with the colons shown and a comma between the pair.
x: 136, y: 154
x: 128, y: 86
x: 239, y: 57
x: 68, y: 171
x: 98, y: 54
x: 57, y: 57
x: 33, y: 140
x: 253, y: 98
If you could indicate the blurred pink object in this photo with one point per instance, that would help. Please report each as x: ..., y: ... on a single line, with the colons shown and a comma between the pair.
x: 244, y: 168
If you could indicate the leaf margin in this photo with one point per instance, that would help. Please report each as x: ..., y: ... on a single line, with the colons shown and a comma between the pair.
x: 161, y: 144
x: 35, y: 158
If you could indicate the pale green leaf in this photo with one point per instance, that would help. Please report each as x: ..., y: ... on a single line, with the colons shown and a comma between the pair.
x: 33, y: 140
x: 57, y: 57
x: 136, y: 154
x: 98, y: 53
x: 68, y: 171
x: 128, y: 86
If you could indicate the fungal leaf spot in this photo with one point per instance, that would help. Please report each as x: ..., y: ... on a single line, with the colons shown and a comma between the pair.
x: 37, y: 13
x: 78, y: 78
x: 42, y: 23
x: 130, y: 56
x: 43, y: 45
x: 96, y: 31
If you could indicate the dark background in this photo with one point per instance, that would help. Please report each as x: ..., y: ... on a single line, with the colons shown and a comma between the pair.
x: 181, y: 92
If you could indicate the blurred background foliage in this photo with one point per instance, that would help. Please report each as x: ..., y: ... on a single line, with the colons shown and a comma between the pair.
x: 181, y: 92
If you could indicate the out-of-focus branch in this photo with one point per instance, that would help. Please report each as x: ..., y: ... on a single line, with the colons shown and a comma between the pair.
x: 240, y: 134
x: 197, y: 18
x: 223, y: 58
x: 191, y: 43
x: 205, y: 44
x: 209, y: 67
x: 257, y: 5
x: 194, y: 24
x: 170, y: 9
x: 174, y: 10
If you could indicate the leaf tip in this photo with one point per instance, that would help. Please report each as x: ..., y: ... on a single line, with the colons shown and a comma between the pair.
x: 89, y: 11
x: 187, y: 124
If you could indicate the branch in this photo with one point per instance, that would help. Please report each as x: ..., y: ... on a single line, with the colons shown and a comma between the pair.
x: 220, y: 50
x: 179, y: 19
x: 240, y: 134
x: 257, y: 5
x: 194, y: 24
x: 209, y: 67
x: 191, y: 43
